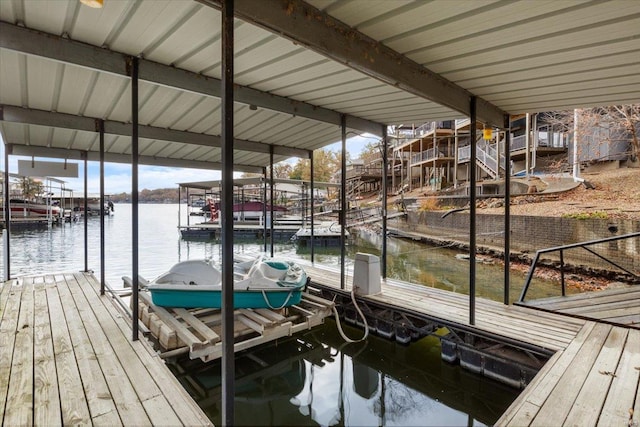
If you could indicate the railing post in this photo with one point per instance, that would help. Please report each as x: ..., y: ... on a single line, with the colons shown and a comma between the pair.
x: 562, y: 272
x: 527, y: 281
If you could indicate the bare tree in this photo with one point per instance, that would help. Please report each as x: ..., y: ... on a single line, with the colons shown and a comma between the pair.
x: 282, y: 170
x: 601, y: 127
x: 30, y: 188
x: 628, y: 119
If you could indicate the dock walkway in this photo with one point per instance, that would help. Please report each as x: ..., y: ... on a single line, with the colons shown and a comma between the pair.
x: 616, y: 306
x: 66, y: 357
x: 593, y: 378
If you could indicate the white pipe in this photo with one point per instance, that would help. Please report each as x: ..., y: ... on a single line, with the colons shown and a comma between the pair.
x: 536, y: 141
x: 527, y: 144
x: 576, y: 166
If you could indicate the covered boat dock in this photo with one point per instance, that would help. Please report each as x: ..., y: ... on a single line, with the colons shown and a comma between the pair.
x: 239, y: 85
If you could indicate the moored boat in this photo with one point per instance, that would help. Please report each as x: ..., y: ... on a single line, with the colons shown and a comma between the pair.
x: 20, y: 207
x: 324, y: 235
x: 258, y: 283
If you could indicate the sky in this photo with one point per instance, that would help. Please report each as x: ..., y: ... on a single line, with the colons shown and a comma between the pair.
x: 118, y: 176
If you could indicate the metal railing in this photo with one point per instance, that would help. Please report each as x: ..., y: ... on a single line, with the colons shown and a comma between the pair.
x: 430, y: 154
x: 582, y: 245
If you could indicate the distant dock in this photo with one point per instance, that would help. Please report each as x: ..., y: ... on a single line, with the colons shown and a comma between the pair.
x: 29, y: 223
x: 250, y: 231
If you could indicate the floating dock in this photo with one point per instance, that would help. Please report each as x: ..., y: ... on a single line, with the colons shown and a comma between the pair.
x: 66, y: 358
x: 615, y: 306
x: 592, y: 375
x: 212, y: 231
x: 29, y: 223
x: 197, y: 331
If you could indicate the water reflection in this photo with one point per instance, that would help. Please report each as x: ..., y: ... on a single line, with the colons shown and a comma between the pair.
x: 314, y: 378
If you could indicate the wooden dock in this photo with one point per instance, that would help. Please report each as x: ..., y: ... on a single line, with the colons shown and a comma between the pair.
x: 197, y: 331
x: 253, y: 231
x: 593, y: 377
x: 66, y: 357
x: 594, y: 381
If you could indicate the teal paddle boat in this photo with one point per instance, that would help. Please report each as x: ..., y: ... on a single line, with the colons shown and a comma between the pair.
x: 259, y: 283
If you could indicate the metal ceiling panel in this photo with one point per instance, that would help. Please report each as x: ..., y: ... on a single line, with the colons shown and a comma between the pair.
x: 611, y: 66
x: 263, y: 70
x: 143, y: 25
x: 531, y: 63
x: 539, y: 47
x: 111, y: 92
x: 577, y: 86
x: 11, y: 82
x: 519, y: 56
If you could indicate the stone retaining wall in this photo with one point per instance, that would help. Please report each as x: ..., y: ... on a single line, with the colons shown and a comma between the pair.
x: 532, y: 233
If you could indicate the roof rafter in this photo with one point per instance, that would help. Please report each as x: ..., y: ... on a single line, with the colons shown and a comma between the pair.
x: 63, y: 153
x: 50, y: 46
x: 9, y: 113
x: 304, y: 24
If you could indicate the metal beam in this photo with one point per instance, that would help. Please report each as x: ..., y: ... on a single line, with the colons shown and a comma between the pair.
x: 31, y: 116
x: 54, y: 47
x: 308, y: 26
x: 63, y: 153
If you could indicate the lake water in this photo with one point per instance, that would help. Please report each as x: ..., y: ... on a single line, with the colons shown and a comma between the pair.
x: 312, y: 378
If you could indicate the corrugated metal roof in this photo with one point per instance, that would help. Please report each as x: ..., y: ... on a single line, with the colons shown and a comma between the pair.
x: 519, y: 56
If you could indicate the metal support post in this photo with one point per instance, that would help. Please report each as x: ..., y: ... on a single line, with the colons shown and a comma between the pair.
x: 507, y: 207
x: 85, y: 155
x: 228, y: 353
x: 264, y: 210
x: 272, y: 195
x: 102, y: 211
x: 7, y: 216
x: 134, y: 194
x: 385, y: 165
x: 312, y: 206
x: 343, y: 198
x: 472, y: 214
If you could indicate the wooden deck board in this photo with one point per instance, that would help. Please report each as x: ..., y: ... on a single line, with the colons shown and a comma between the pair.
x: 618, y: 306
x: 593, y: 382
x: 96, y: 390
x: 182, y: 404
x: 583, y: 296
x: 8, y: 329
x: 66, y: 358
x: 522, y: 411
x: 19, y: 407
x: 586, y: 407
x: 46, y: 400
x: 627, y: 376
